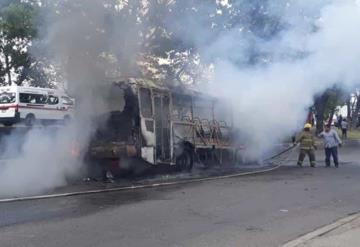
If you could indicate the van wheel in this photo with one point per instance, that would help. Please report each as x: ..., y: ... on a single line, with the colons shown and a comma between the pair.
x: 30, y: 120
x: 185, y: 161
x: 67, y: 120
x: 8, y: 124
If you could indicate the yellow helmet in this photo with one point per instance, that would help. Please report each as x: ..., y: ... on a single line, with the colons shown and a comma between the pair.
x: 307, y: 126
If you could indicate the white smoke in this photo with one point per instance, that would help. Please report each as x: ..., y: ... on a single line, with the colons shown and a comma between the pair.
x: 317, y: 48
x: 44, y: 162
x: 77, y: 38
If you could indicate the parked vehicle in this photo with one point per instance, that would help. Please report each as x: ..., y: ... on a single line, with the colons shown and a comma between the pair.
x: 164, y: 125
x: 31, y: 104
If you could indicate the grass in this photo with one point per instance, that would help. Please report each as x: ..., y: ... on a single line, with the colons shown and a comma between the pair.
x: 353, y: 134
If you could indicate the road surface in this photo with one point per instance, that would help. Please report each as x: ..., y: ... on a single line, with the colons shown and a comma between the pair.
x: 262, y: 210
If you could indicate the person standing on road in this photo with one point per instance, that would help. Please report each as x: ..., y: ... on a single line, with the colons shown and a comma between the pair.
x: 340, y: 119
x: 344, y: 128
x: 331, y: 142
x: 307, y: 146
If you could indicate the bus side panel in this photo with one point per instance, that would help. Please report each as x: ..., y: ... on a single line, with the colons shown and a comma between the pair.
x: 148, y: 154
x: 147, y: 125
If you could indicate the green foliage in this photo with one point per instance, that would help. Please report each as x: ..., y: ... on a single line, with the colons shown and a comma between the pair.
x: 326, y: 104
x: 18, y: 22
x: 17, y: 29
x: 146, y: 27
x: 336, y: 97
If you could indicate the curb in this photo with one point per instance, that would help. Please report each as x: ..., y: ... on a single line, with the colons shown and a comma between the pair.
x: 321, y: 231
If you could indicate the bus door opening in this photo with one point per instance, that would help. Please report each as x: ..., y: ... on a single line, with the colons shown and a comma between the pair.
x: 162, y: 127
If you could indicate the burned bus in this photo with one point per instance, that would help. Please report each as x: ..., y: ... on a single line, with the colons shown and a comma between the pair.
x: 164, y: 125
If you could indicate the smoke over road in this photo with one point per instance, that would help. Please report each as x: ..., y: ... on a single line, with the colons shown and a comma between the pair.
x: 272, y: 71
x: 77, y: 37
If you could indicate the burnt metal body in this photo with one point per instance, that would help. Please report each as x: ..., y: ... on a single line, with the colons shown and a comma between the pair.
x: 159, y: 124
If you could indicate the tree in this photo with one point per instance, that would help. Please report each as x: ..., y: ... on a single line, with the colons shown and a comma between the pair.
x: 355, y: 109
x: 326, y: 105
x: 17, y: 29
x: 140, y: 37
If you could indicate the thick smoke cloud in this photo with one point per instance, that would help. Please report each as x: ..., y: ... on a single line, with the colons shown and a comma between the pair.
x: 272, y: 74
x: 270, y: 64
x: 77, y: 37
x: 43, y: 162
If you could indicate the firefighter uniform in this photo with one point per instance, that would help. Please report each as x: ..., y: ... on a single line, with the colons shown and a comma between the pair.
x: 307, y: 146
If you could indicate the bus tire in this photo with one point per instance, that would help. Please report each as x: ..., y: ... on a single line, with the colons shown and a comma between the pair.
x: 185, y: 161
x: 29, y: 120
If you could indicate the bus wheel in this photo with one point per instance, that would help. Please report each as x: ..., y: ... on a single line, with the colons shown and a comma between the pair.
x: 185, y: 161
x: 30, y: 120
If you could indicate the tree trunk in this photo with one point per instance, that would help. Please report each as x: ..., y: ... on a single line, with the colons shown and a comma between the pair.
x: 332, y: 113
x: 353, y: 104
x: 7, y: 69
x: 320, y: 105
x: 355, y: 116
x: 348, y: 104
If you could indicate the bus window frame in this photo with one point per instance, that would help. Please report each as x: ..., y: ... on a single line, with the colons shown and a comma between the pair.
x: 150, y: 116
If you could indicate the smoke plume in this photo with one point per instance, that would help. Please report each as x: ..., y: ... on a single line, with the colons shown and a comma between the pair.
x: 272, y: 71
x: 270, y: 65
x: 78, y: 37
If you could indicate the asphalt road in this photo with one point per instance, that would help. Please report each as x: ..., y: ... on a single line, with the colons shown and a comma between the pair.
x: 263, y: 210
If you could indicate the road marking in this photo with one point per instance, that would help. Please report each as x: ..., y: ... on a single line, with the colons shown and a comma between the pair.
x: 321, y: 231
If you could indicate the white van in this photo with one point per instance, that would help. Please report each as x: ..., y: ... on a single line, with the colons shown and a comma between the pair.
x: 29, y: 104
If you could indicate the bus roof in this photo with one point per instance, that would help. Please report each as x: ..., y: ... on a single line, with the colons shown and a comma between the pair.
x: 147, y: 83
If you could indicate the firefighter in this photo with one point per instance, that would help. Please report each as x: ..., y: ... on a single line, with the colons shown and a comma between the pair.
x: 307, y: 146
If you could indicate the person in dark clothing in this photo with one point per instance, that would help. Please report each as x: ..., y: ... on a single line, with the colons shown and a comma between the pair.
x: 344, y: 128
x: 339, y: 121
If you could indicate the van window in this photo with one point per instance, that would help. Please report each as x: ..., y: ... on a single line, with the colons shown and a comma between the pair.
x: 53, y: 100
x: 31, y: 98
x: 6, y: 98
x: 67, y: 100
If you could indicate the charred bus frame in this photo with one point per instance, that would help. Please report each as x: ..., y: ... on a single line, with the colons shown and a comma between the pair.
x: 172, y: 126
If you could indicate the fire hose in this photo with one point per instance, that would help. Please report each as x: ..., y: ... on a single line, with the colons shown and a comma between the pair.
x: 154, y: 185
